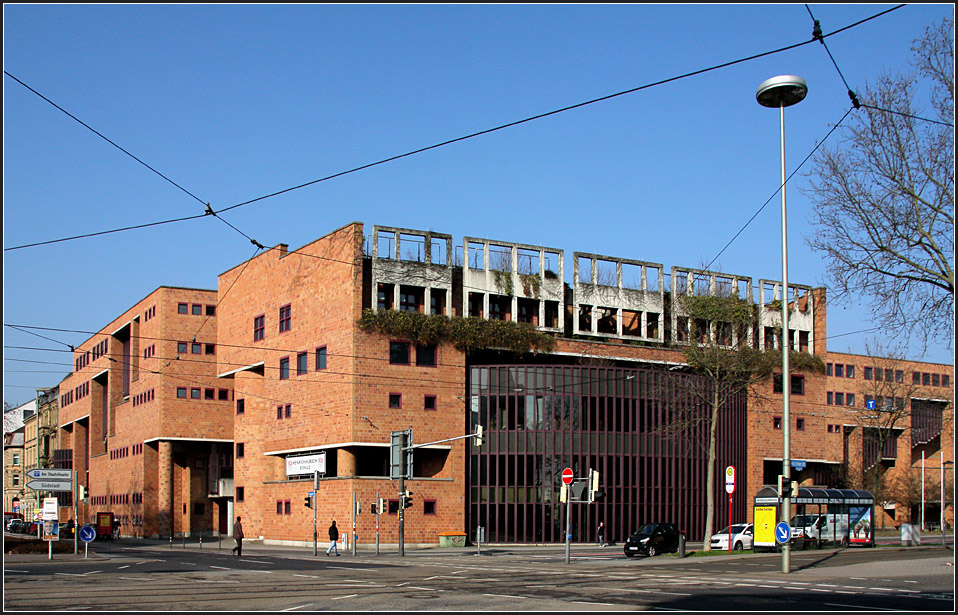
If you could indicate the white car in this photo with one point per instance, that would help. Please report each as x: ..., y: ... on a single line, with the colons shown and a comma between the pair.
x: 741, y: 538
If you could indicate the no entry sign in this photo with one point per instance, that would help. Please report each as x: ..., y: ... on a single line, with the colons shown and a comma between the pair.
x: 567, y: 476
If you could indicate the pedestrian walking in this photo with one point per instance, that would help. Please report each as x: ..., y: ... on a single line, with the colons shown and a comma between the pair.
x: 333, y: 537
x: 601, y: 532
x: 238, y: 537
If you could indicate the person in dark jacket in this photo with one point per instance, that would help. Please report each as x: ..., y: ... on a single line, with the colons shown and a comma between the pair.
x: 333, y: 537
x: 238, y: 537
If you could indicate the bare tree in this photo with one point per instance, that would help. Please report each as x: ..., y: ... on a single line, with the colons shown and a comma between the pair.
x: 729, y: 365
x: 884, y: 200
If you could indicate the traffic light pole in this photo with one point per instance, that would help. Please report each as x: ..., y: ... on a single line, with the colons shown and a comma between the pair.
x: 315, y: 506
x: 402, y: 491
x: 378, y: 511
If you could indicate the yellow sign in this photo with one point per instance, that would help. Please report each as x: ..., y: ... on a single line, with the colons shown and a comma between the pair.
x: 765, y: 519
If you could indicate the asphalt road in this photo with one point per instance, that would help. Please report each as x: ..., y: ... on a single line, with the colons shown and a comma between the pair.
x: 151, y: 577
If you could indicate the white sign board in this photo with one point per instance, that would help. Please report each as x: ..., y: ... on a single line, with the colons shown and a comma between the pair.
x: 730, y: 479
x: 50, y: 509
x: 306, y: 464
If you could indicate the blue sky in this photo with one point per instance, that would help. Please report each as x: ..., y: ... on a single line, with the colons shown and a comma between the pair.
x: 233, y: 103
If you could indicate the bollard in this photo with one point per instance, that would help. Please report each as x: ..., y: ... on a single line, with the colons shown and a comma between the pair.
x: 201, y: 541
x: 682, y: 545
x: 171, y: 541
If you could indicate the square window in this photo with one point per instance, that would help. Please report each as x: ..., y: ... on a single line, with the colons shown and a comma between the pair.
x: 240, y: 494
x: 240, y: 406
x: 181, y: 392
x: 224, y: 394
x: 777, y: 422
x: 429, y: 507
x: 181, y: 347
x: 839, y: 370
x: 197, y: 310
x: 302, y: 363
x: 426, y: 355
x: 321, y: 358
x: 393, y: 507
x: 285, y: 318
x: 395, y: 400
x: 284, y: 368
x: 926, y: 379
x: 183, y: 308
x: 211, y: 310
x: 194, y: 393
x: 800, y: 424
x: 240, y: 450
x: 210, y: 348
x: 209, y: 394
x: 430, y: 402
x: 259, y: 327
x: 196, y: 348
x: 399, y: 353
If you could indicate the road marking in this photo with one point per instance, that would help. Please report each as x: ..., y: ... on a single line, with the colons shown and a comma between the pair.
x: 351, y: 568
x: 855, y: 606
x: 303, y: 606
x: 631, y: 591
x: 214, y: 581
x: 122, y: 567
x: 305, y: 576
x: 344, y: 597
x: 504, y: 596
x: 599, y: 603
x: 425, y: 589
x: 255, y: 561
x: 20, y: 571
x: 220, y: 568
x: 553, y: 586
x: 401, y: 584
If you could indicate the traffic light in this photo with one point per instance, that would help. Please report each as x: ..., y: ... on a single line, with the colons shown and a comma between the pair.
x: 593, y: 485
x: 405, y: 500
x: 308, y: 501
x: 382, y: 506
x: 786, y: 488
x: 478, y: 435
x: 81, y: 492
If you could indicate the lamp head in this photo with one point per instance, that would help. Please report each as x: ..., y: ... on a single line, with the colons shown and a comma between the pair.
x: 781, y: 91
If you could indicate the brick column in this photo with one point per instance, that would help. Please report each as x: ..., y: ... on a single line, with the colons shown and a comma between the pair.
x: 164, y: 489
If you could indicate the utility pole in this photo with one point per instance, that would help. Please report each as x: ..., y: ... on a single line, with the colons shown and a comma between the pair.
x: 315, y: 506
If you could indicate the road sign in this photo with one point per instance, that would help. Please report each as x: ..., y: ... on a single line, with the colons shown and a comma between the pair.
x: 41, y: 484
x: 783, y: 532
x: 51, y: 474
x: 567, y: 476
x: 87, y: 533
x: 306, y: 464
x: 798, y: 464
x: 870, y: 404
x: 730, y: 479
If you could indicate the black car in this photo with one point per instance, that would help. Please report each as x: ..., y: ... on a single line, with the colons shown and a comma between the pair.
x: 17, y: 526
x: 653, y: 538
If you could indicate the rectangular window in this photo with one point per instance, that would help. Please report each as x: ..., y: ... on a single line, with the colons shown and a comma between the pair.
x: 240, y: 406
x: 240, y: 494
x: 828, y: 369
x: 935, y: 380
x: 849, y: 371
x: 240, y: 449
x: 209, y: 394
x: 183, y: 308
x: 429, y: 507
x: 395, y: 400
x: 926, y: 379
x: 839, y: 370
x: 210, y: 348
x: 430, y: 402
x: 849, y: 399
x: 829, y: 398
x: 288, y: 410
x: 321, y: 358
x: 945, y: 380
x: 426, y: 356
x: 285, y: 318
x: 197, y: 310
x: 284, y: 368
x: 839, y: 399
x: 302, y: 363
x: 194, y: 393
x: 915, y: 378
x: 279, y: 507
x: 211, y: 310
x: 777, y: 422
x: 181, y: 347
x: 181, y: 392
x: 889, y: 375
x: 899, y: 376
x: 868, y: 373
x: 399, y: 353
x: 279, y: 412
x: 797, y: 388
x: 800, y: 424
x: 259, y: 327
x: 196, y: 348
x: 286, y: 508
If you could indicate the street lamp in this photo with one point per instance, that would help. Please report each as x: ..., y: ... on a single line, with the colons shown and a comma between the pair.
x: 943, y: 464
x: 784, y: 91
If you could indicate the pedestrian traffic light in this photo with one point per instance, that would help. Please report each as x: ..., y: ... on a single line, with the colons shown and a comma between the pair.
x: 478, y: 435
x: 308, y: 501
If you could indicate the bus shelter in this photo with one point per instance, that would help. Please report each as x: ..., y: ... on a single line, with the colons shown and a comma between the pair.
x: 821, y: 517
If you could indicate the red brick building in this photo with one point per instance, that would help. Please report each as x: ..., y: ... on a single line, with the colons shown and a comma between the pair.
x: 292, y: 373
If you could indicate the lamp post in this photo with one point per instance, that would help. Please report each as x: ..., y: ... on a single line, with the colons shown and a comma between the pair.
x: 943, y: 464
x: 784, y: 91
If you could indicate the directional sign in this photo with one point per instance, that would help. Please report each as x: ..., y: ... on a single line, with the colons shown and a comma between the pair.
x: 51, y: 474
x: 567, y: 476
x: 783, y: 532
x: 730, y: 479
x: 87, y: 533
x: 50, y: 485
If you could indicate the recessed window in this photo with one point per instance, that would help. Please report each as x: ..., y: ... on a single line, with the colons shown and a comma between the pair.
x: 926, y: 379
x: 211, y: 310
x: 321, y: 358
x: 829, y: 398
x: 285, y: 318
x: 849, y: 399
x: 395, y: 400
x: 194, y: 393
x: 197, y: 310
x: 430, y: 402
x: 800, y: 424
x: 429, y: 507
x: 259, y: 327
x: 399, y: 353
x: 209, y: 394
x: 302, y: 363
x: 286, y: 507
x: 777, y: 422
x: 181, y: 347
x: 828, y: 369
x: 798, y: 384
x: 240, y: 406
x: 288, y: 410
x: 181, y: 392
x: 183, y: 308
x: 240, y: 449
x: 196, y: 348
x: 279, y: 507
x: 935, y: 380
x: 224, y: 394
x: 284, y: 368
x: 868, y: 373
x: 839, y: 370
x: 849, y: 371
x: 839, y: 399
x: 426, y: 356
x: 210, y: 348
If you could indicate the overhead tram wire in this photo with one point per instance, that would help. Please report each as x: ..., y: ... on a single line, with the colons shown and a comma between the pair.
x: 470, y: 136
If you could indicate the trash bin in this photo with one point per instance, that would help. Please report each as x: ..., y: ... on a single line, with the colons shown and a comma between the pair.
x: 452, y: 539
x: 910, y: 535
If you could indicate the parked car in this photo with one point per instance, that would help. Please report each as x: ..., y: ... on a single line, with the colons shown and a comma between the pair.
x: 34, y: 528
x: 17, y: 526
x: 741, y: 537
x: 66, y: 529
x: 653, y: 538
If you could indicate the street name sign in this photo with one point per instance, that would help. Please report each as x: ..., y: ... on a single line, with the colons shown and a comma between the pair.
x: 306, y: 464
x: 50, y: 485
x: 51, y: 474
